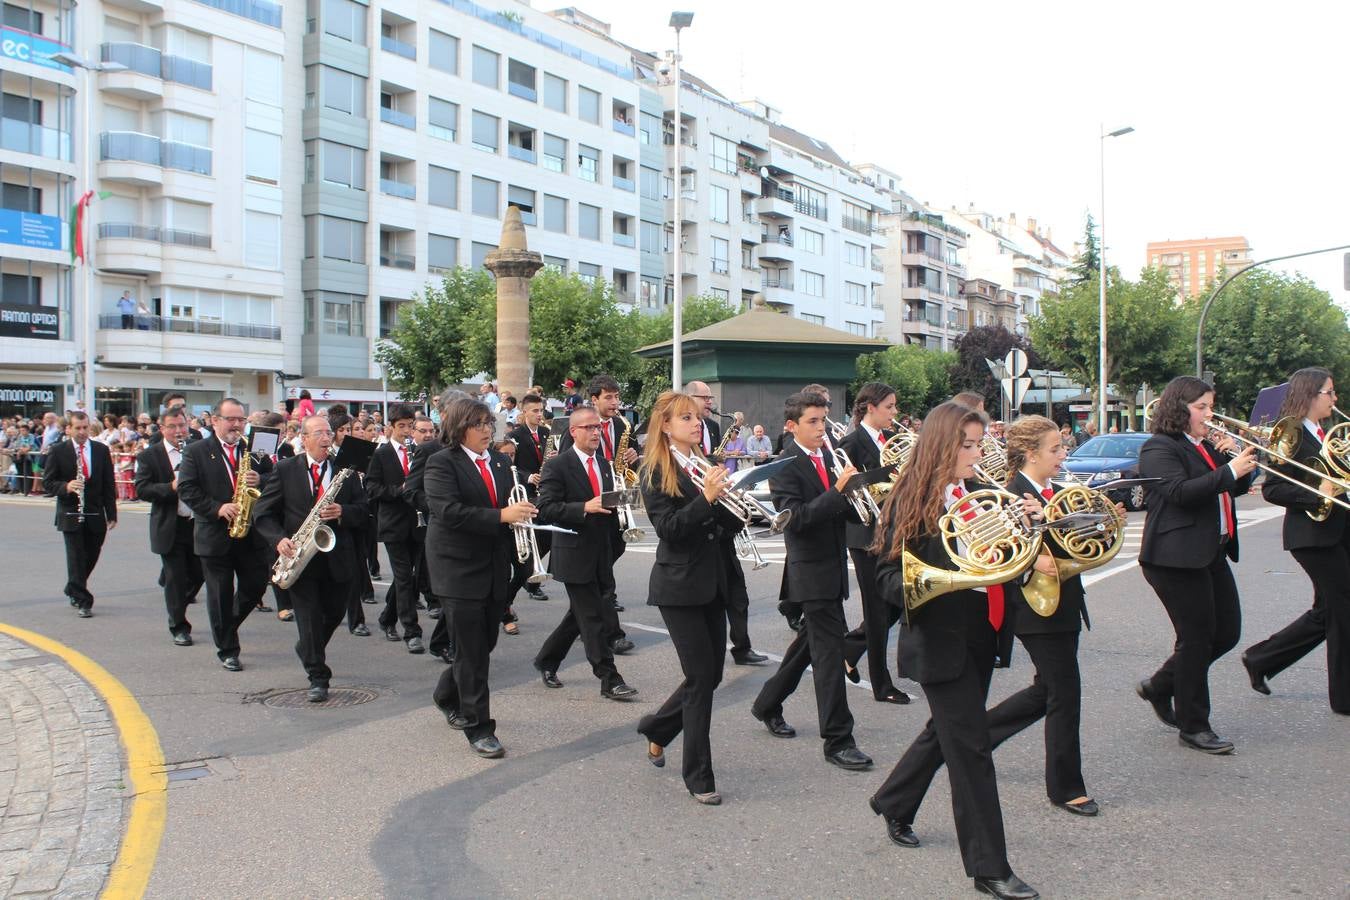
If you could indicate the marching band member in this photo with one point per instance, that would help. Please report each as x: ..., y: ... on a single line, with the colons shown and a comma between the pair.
x: 873, y: 411
x: 948, y: 646
x: 469, y: 549
x: 361, y: 590
x: 235, y: 568
x: 396, y: 526
x: 689, y: 584
x: 170, y: 521
x: 1321, y: 548
x: 710, y: 430
x: 79, y: 474
x: 531, y: 438
x: 319, y: 595
x: 817, y: 579
x: 789, y: 610
x: 569, y: 495
x: 1190, y: 533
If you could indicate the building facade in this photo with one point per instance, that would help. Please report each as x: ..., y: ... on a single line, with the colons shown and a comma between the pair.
x: 1193, y: 265
x: 1019, y: 261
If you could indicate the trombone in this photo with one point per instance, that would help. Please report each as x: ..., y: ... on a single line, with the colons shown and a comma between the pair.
x: 863, y: 503
x: 1280, y: 442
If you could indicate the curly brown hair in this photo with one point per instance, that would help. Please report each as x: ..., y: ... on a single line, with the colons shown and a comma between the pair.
x: 1023, y: 438
x: 1173, y: 415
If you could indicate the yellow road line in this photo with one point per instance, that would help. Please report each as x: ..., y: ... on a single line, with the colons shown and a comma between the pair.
x: 145, y: 763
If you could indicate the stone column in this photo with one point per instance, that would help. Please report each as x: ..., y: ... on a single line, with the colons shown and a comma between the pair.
x: 513, y: 265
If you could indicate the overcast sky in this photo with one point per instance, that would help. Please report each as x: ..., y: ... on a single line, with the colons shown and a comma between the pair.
x: 1242, y: 125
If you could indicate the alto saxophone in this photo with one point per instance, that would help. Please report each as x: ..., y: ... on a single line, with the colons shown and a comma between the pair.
x: 313, y: 536
x: 244, y: 496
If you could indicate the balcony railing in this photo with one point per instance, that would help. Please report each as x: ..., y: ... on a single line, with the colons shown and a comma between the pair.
x: 132, y: 146
x: 853, y: 223
x: 623, y: 127
x: 778, y: 281
x: 444, y: 132
x: 398, y: 260
x: 186, y: 71
x: 768, y: 238
x: 132, y: 231
x: 877, y: 266
x: 258, y: 10
x: 623, y: 184
x: 113, y: 322
x: 136, y: 57
x: 187, y: 157
x: 25, y: 137
x: 814, y: 210
x: 398, y: 189
x: 781, y: 194
x: 524, y: 154
x: 523, y: 91
x: 720, y: 267
x: 624, y: 240
x: 394, y: 45
x: 401, y: 119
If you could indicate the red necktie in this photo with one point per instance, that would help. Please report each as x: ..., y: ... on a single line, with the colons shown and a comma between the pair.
x: 1048, y: 493
x: 995, y: 591
x: 229, y: 451
x: 604, y: 433
x: 403, y: 458
x: 316, y: 474
x: 1321, y: 435
x: 84, y: 463
x: 595, y: 479
x: 1225, y: 501
x: 820, y: 470
x: 881, y: 439
x: 703, y: 438
x: 487, y: 480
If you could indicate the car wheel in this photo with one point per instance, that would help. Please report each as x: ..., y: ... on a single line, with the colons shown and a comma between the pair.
x: 1134, y: 498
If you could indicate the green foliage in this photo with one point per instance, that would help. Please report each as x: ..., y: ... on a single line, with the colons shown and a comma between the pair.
x: 921, y: 377
x: 428, y: 349
x: 1086, y: 265
x: 971, y: 373
x: 652, y: 376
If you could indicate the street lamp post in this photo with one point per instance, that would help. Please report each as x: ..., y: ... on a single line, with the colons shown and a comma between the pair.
x: 1101, y: 280
x: 678, y: 21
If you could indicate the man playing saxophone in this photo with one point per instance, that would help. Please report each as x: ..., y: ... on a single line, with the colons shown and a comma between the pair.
x: 319, y: 595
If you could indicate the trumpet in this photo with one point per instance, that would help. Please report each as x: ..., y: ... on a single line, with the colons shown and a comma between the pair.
x: 527, y: 545
x: 1280, y: 442
x: 627, y: 518
x: 735, y: 500
x: 837, y: 429
x: 863, y: 503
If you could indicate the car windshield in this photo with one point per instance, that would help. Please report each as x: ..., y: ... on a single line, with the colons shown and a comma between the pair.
x: 1110, y: 445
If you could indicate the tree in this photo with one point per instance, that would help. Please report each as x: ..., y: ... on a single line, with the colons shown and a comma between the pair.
x: 921, y: 377
x: 653, y: 375
x: 427, y: 350
x: 970, y: 373
x: 1087, y: 264
x: 1264, y: 326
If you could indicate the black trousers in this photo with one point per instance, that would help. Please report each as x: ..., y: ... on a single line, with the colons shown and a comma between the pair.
x: 737, y: 603
x: 699, y: 634
x: 588, y: 616
x: 319, y: 602
x: 372, y: 548
x: 872, y: 636
x: 820, y: 644
x: 400, y: 601
x: 463, y: 686
x: 440, y: 632
x: 83, y: 547
x: 1328, y: 619
x: 1055, y: 694
x: 958, y: 733
x: 359, y: 587
x: 234, y: 583
x: 1205, y: 613
x: 181, y: 575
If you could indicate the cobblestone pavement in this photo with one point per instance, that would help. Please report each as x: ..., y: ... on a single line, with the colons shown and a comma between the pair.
x: 61, y: 789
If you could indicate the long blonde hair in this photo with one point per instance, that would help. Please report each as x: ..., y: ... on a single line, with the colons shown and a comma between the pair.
x: 659, y: 470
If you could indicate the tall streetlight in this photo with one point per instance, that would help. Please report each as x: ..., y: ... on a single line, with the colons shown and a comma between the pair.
x: 678, y: 21
x: 1101, y: 278
x: 87, y: 317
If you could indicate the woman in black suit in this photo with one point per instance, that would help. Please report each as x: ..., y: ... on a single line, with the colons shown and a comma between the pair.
x: 1190, y: 533
x: 689, y: 585
x: 1321, y: 548
x: 947, y: 645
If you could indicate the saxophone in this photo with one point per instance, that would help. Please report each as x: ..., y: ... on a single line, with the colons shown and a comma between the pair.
x: 244, y: 496
x: 623, y: 476
x: 313, y: 536
x: 720, y: 451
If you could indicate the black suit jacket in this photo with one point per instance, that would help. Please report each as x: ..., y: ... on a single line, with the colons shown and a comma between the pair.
x: 691, y: 562
x: 714, y: 429
x: 413, y: 488
x: 865, y: 454
x: 204, y: 484
x: 620, y: 426
x: 1071, y: 614
x: 564, y: 488
x: 529, y: 455
x: 1301, y: 532
x: 287, y: 499
x: 1182, y: 522
x: 817, y: 565
x: 468, y: 549
x: 100, y: 489
x: 154, y: 475
x: 395, y: 518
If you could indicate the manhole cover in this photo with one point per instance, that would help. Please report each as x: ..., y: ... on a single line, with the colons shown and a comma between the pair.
x: 299, y: 699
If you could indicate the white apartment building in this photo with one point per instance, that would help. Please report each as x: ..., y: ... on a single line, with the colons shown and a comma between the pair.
x: 1018, y: 259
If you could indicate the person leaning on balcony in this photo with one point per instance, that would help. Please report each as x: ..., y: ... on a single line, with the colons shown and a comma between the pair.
x: 127, y: 307
x: 142, y: 316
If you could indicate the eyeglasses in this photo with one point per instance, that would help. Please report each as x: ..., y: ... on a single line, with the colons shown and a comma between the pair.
x: 487, y: 425
x: 596, y: 427
x: 1331, y: 392
x: 235, y: 419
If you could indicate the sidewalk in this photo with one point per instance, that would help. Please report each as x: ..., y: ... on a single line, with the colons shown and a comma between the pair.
x: 61, y: 785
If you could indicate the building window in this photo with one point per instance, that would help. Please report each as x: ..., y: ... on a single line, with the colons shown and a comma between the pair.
x: 649, y: 293
x: 815, y: 320
x: 442, y: 119
x: 555, y: 92
x: 721, y: 294
x: 588, y: 163
x: 391, y: 311
x: 723, y: 155
x: 523, y: 200
x: 23, y: 198
x: 486, y: 67
x: 589, y: 273
x: 556, y: 262
x: 478, y: 254
x: 857, y: 218
x: 858, y: 328
x: 346, y: 20
x: 588, y: 105
x: 588, y: 221
x: 262, y: 77
x: 328, y: 237
x: 812, y: 242
x: 485, y: 131
x: 262, y: 240
x: 856, y: 254
x: 442, y: 253
x: 555, y: 153
x: 855, y: 294
x: 649, y: 183
x: 444, y: 52
x: 812, y: 283
x: 341, y: 90
x: 555, y: 214
x: 811, y: 202
x: 486, y: 193
x: 649, y: 126
x: 720, y: 209
x: 649, y: 236
x: 262, y: 156
x: 443, y: 187
x: 21, y: 290
x: 22, y: 18
x: 343, y: 314
x: 721, y: 262
x: 336, y: 164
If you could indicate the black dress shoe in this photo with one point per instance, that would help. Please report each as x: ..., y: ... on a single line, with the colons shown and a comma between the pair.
x: 434, y: 612
x: 183, y: 640
x: 318, y: 693
x: 488, y: 747
x: 535, y: 592
x: 232, y: 664
x: 894, y: 695
x: 361, y: 630
x: 1258, y: 680
x: 421, y: 604
x: 748, y: 658
x: 263, y: 607
x: 850, y: 758
x: 390, y: 634
x: 852, y: 673
x: 84, y: 612
x: 777, y: 727
x: 1162, y: 706
x: 368, y: 599
x: 1010, y: 888
x: 797, y: 622
x: 618, y: 607
x: 415, y: 645
x: 550, y: 678
x: 445, y: 655
x: 1086, y: 808
x: 455, y: 719
x: 621, y: 646
x: 1205, y: 742
x: 620, y: 691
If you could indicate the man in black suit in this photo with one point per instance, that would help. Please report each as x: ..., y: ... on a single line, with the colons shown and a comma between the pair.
x: 424, y: 432
x: 817, y: 578
x: 569, y: 495
x: 236, y: 569
x: 319, y: 595
x: 469, y: 551
x: 396, y: 527
x: 531, y: 438
x: 711, y: 435
x: 793, y: 611
x: 84, y: 512
x: 169, y: 401
x: 362, y: 589
x: 170, y: 521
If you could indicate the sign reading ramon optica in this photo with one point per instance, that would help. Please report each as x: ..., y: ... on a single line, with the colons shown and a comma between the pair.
x: 31, y: 48
x: 29, y: 322
x: 30, y: 229
x: 24, y: 394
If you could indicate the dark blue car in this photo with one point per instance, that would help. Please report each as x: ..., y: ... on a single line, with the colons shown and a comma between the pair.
x: 1108, y: 457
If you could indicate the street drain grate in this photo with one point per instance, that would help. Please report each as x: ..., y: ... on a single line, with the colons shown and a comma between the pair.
x: 337, y: 697
x: 188, y: 773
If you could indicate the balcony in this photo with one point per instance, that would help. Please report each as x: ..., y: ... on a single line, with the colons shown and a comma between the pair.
x: 396, y: 260
x: 395, y: 46
x: 188, y: 343
x: 934, y: 224
x: 812, y: 209
x: 781, y: 281
x: 132, y: 231
x: 522, y: 154
x: 144, y: 63
x: 623, y: 127
x: 148, y: 150
x: 624, y: 240
x: 190, y: 72
x: 25, y: 137
x: 688, y: 207
x: 165, y: 324
x: 853, y: 223
x: 688, y: 261
x: 877, y: 265
x: 401, y: 119
x: 777, y: 204
x: 926, y: 260
x: 623, y: 184
x: 398, y: 189
x: 261, y: 11
x: 776, y: 246
x: 523, y: 91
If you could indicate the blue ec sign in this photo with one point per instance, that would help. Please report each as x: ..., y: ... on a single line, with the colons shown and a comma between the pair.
x: 31, y: 48
x: 30, y: 229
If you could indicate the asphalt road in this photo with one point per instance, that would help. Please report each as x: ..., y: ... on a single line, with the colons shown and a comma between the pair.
x: 381, y: 799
